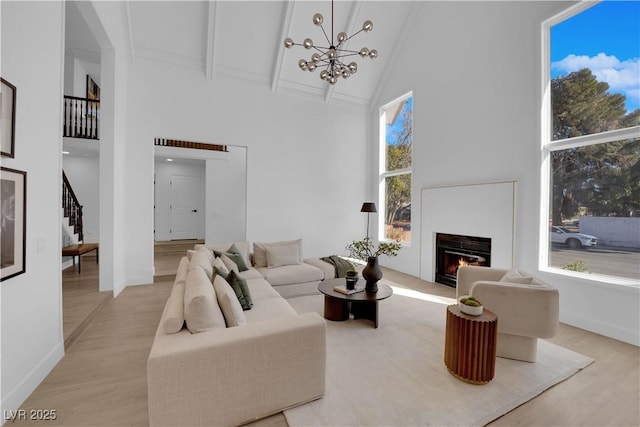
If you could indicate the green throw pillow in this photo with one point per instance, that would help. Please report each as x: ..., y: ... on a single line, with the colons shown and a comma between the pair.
x: 240, y: 287
x: 234, y: 254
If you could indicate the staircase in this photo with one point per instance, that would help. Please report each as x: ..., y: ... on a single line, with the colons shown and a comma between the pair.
x: 72, y: 233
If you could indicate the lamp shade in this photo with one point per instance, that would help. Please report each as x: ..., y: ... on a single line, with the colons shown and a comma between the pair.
x: 368, y: 207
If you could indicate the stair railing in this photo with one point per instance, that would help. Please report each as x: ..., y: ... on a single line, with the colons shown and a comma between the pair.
x: 72, y: 208
x: 81, y: 117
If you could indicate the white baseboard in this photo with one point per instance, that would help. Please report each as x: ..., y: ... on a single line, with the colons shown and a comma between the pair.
x: 16, y: 397
x: 66, y: 264
x: 602, y: 328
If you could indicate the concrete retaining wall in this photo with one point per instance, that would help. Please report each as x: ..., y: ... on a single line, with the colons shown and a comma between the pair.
x: 613, y: 231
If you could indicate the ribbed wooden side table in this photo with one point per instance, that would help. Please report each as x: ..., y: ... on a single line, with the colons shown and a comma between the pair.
x: 470, y: 345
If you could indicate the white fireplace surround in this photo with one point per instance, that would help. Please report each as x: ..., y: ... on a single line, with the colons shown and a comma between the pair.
x: 482, y: 210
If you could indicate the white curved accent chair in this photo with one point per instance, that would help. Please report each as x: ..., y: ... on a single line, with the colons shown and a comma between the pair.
x: 527, y: 308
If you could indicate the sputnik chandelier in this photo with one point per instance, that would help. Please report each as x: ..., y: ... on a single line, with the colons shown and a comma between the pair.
x: 331, y: 57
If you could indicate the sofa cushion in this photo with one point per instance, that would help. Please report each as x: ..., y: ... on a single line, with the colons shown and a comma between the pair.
x: 516, y: 276
x: 228, y: 262
x: 269, y: 309
x: 251, y: 273
x: 260, y: 250
x: 261, y: 289
x: 220, y: 267
x: 231, y: 308
x: 183, y: 269
x: 243, y: 248
x: 278, y: 256
x: 201, y: 309
x: 289, y: 274
x: 202, y: 260
x: 240, y: 287
x: 174, y: 310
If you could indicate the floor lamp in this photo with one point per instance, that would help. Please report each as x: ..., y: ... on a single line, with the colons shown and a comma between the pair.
x: 368, y: 207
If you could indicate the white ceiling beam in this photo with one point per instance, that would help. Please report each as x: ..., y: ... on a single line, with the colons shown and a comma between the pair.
x: 211, y: 39
x: 350, y: 29
x: 286, y: 28
x: 129, y: 33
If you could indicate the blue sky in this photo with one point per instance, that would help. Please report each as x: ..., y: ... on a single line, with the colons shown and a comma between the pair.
x: 394, y: 128
x: 606, y: 39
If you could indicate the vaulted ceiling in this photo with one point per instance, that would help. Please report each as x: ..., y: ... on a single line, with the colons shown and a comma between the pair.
x: 244, y: 40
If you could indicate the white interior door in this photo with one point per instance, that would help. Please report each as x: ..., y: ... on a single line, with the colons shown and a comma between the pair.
x: 185, y: 207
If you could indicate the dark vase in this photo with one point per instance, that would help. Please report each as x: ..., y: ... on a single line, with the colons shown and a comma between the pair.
x: 372, y: 273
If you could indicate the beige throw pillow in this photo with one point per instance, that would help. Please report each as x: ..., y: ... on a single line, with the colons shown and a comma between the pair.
x: 260, y: 250
x: 229, y: 263
x: 231, y: 308
x: 515, y: 276
x: 174, y: 310
x: 200, y: 259
x: 218, y: 264
x: 282, y: 255
x: 201, y: 309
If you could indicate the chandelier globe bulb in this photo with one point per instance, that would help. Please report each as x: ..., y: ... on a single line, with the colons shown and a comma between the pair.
x: 324, y: 74
x: 302, y: 64
x: 318, y: 19
x: 307, y: 43
x: 311, y: 66
x: 373, y: 54
x: 331, y: 53
x: 367, y: 26
x: 288, y: 43
x: 315, y: 58
x: 342, y: 37
x: 353, y: 67
x: 364, y: 52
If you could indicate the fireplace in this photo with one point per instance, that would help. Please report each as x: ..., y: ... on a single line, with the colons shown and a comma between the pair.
x: 454, y: 251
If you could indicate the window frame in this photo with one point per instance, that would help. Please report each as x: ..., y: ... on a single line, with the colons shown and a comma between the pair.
x: 548, y: 146
x: 383, y: 174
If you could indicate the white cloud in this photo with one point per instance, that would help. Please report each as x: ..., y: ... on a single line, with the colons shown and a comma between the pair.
x: 622, y: 76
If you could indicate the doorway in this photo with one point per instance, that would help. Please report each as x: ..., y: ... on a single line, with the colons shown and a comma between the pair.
x: 179, y: 193
x: 184, y: 208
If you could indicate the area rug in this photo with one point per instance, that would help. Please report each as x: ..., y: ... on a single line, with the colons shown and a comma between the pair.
x: 395, y: 375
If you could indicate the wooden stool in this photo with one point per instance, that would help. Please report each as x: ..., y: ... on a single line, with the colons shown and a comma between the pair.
x: 470, y: 345
x: 78, y: 250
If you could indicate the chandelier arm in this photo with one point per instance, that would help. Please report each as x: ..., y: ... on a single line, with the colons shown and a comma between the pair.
x: 325, y: 34
x: 354, y: 34
x: 344, y: 56
x: 347, y: 50
x: 331, y: 42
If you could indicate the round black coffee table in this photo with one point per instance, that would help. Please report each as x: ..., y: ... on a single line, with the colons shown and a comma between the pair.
x: 363, y: 305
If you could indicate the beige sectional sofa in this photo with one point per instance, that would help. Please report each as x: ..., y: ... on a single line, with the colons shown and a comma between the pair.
x: 212, y: 363
x: 275, y: 262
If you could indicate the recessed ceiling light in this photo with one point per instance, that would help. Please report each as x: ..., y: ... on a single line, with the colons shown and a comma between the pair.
x: 65, y: 152
x: 169, y: 160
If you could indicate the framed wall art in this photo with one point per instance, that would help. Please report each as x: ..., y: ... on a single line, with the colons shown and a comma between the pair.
x: 7, y: 118
x: 93, y: 90
x: 13, y: 220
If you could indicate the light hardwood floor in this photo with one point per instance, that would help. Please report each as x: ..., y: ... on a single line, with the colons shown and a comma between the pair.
x: 102, y: 378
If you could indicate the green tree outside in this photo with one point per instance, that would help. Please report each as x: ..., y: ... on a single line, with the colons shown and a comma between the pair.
x: 604, y: 178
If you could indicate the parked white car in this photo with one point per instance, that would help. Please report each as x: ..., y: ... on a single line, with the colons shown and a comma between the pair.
x: 567, y: 237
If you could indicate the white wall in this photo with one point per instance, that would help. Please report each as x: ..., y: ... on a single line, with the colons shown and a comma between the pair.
x: 32, y: 59
x: 299, y: 184
x: 226, y: 213
x: 82, y: 172
x: 475, y: 78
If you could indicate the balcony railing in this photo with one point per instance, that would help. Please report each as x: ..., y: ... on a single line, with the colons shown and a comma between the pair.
x: 81, y: 117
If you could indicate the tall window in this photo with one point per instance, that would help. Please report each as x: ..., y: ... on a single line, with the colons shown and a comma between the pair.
x: 396, y: 130
x: 591, y: 141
